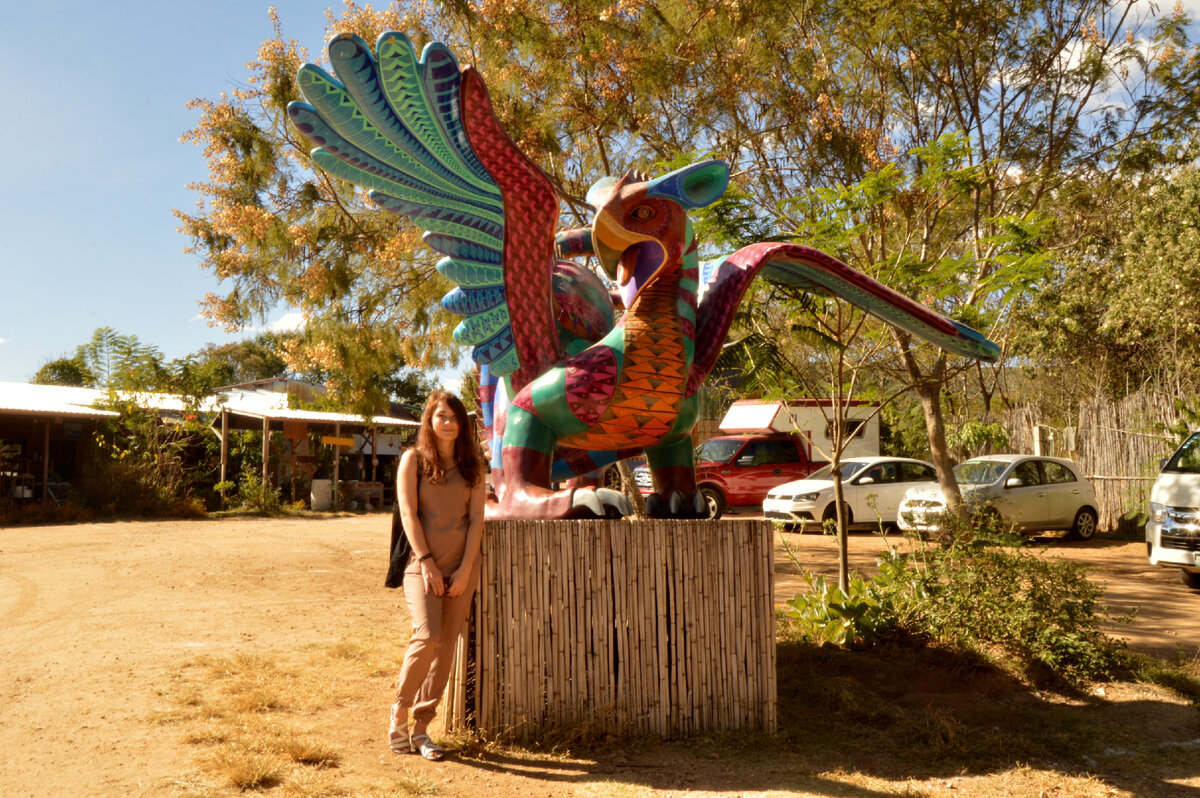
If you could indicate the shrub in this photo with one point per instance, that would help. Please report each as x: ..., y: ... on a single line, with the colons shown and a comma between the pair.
x: 1043, y: 614
x: 256, y: 495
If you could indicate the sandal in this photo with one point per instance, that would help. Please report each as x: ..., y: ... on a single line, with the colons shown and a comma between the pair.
x: 428, y: 748
x: 398, y: 739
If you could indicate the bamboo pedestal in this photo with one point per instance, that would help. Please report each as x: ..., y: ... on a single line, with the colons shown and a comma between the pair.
x: 646, y: 628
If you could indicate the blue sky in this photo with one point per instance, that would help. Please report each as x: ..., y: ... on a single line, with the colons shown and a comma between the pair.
x: 91, y: 165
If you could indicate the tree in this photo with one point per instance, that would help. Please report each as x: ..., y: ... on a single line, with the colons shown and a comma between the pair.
x: 958, y: 127
x: 1121, y: 316
x: 777, y: 357
x: 257, y: 358
x: 65, y: 371
x: 280, y: 231
x: 123, y: 363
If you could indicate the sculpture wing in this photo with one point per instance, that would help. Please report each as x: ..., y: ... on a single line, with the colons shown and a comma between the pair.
x: 421, y: 135
x: 723, y: 282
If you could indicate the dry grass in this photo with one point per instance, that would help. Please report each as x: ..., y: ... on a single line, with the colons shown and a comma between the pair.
x: 239, y: 713
x: 893, y: 720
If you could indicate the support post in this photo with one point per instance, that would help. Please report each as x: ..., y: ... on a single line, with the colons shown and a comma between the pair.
x: 266, y: 452
x: 337, y: 462
x: 224, y: 451
x: 46, y: 462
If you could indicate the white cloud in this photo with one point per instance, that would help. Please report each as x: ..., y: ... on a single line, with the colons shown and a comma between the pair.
x: 3, y: 341
x: 292, y: 320
x: 288, y: 322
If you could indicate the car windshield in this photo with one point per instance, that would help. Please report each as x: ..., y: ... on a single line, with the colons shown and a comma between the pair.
x: 1187, y: 459
x: 979, y: 472
x: 847, y: 470
x: 718, y: 450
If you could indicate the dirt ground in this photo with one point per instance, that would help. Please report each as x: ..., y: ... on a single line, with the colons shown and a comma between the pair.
x: 96, y: 618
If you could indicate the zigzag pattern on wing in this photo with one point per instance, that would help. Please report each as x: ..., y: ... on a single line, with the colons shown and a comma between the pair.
x: 528, y: 238
x: 394, y: 125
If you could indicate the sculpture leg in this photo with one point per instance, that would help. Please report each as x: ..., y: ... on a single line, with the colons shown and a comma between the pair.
x: 674, y: 472
x: 526, y: 459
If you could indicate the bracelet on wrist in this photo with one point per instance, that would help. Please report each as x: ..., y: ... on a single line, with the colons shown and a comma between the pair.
x: 425, y: 557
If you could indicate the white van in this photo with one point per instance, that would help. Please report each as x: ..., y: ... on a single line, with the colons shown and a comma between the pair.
x: 1173, y: 531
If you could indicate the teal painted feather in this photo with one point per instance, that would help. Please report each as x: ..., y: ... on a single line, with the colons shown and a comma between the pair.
x: 337, y: 108
x: 469, y: 273
x: 433, y: 119
x: 477, y: 329
x: 391, y: 123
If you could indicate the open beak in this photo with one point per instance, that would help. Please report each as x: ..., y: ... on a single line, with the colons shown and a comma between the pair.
x: 617, y: 248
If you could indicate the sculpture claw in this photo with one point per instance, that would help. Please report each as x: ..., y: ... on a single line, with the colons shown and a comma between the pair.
x: 675, y: 506
x: 601, y: 502
x: 587, y: 500
x: 615, y: 500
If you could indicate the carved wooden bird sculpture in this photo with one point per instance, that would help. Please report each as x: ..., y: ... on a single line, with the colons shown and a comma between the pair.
x: 569, y: 384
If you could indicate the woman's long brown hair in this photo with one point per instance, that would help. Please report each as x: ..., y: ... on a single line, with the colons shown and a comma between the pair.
x: 466, y: 450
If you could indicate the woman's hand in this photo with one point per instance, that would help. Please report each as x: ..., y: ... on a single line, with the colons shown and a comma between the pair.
x: 432, y: 575
x: 458, y: 582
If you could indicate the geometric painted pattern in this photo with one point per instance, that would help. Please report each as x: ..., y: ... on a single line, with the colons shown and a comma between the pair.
x: 421, y: 135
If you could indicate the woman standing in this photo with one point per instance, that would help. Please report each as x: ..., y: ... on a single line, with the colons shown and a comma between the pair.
x: 440, y: 487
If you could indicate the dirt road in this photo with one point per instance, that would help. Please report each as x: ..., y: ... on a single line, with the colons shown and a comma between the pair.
x: 95, y: 619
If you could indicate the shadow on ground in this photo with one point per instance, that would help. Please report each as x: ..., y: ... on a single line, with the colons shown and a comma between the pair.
x: 861, y: 723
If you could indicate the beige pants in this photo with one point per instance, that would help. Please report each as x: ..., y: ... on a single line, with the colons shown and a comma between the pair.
x: 437, y: 622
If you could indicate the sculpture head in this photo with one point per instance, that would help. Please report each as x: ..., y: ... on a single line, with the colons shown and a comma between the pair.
x: 640, y: 227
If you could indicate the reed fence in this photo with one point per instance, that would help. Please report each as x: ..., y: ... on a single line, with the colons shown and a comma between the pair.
x: 633, y: 628
x: 1117, y: 444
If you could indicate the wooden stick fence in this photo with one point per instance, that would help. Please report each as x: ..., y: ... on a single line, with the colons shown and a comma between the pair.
x: 646, y: 628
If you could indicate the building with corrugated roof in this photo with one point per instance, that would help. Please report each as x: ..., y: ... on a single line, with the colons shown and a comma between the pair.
x: 47, y: 432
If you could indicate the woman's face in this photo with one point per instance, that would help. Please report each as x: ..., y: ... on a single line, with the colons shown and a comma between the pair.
x: 444, y: 423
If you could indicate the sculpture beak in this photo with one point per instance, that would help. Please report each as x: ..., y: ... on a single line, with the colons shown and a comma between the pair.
x: 616, y: 247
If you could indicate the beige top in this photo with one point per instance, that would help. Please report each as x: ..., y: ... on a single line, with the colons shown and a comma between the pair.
x: 445, y: 513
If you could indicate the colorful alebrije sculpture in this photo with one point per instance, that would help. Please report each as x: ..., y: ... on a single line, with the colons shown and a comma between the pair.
x: 574, y: 389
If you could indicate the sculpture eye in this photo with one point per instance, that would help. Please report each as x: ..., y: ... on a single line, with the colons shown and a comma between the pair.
x: 642, y: 213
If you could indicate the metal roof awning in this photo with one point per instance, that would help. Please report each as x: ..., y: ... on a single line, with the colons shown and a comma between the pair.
x: 57, y: 400
x: 315, y: 417
x: 18, y: 398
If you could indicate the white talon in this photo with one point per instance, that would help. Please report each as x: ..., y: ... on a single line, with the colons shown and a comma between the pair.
x: 588, y: 499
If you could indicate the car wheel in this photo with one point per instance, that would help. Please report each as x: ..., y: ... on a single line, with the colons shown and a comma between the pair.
x: 1084, y: 527
x: 830, y: 514
x: 714, y: 500
x: 1190, y: 578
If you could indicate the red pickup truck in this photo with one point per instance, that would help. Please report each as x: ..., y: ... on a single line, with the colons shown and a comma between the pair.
x: 738, y: 470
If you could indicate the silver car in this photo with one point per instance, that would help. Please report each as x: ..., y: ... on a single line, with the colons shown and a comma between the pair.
x: 1032, y: 493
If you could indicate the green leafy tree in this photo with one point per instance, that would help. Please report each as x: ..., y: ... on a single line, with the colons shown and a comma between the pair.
x: 257, y: 358
x: 952, y: 129
x: 1121, y: 316
x: 123, y: 363
x: 70, y: 371
x: 277, y: 231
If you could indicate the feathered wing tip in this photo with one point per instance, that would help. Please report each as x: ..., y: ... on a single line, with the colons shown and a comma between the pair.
x: 393, y: 124
x: 723, y: 282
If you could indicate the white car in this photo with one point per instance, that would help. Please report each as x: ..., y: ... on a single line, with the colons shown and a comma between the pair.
x: 1032, y: 493
x: 1173, y: 531
x: 871, y: 486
